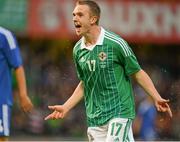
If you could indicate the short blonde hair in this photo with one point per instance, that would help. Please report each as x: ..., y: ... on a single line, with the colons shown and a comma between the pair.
x: 94, y: 8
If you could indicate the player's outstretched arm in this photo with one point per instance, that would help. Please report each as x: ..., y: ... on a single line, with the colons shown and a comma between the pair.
x: 146, y: 83
x: 60, y: 111
x: 25, y: 101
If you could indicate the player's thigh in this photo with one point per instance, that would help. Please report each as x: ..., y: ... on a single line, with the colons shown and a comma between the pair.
x: 119, y: 129
x: 5, y: 115
x: 97, y: 134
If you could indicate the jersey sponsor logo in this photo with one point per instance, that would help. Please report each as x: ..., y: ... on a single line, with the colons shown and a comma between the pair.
x: 102, y: 56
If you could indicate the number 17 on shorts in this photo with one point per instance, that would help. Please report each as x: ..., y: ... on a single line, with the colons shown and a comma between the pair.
x: 120, y: 130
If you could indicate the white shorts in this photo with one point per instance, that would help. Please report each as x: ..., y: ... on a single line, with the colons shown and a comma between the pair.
x: 116, y: 130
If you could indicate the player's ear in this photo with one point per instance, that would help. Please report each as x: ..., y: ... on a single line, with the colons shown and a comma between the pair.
x: 93, y: 19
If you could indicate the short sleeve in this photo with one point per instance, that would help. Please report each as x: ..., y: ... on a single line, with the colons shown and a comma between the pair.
x: 75, y: 59
x: 11, y: 50
x: 127, y: 58
x: 131, y: 65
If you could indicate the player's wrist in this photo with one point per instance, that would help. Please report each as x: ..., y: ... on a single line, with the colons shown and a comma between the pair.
x: 66, y: 108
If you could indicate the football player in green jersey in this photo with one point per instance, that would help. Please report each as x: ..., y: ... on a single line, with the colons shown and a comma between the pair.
x: 105, y: 64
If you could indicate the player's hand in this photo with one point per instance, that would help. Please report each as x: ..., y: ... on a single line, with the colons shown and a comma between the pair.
x: 26, y: 104
x: 58, y: 112
x: 162, y: 106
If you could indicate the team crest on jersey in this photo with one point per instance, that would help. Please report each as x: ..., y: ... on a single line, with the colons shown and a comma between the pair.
x: 102, y: 56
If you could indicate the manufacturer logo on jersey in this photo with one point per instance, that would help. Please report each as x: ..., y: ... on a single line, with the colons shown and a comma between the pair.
x: 82, y: 59
x: 102, y: 56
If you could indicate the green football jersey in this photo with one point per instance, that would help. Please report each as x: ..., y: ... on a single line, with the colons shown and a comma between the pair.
x: 105, y: 70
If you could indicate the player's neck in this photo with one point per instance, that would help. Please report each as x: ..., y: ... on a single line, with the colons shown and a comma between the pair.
x: 92, y: 36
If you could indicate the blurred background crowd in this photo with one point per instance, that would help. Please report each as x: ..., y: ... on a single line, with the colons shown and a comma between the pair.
x: 46, y: 38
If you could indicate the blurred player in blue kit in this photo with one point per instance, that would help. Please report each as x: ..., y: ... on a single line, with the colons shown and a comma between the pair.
x: 145, y: 121
x: 10, y: 58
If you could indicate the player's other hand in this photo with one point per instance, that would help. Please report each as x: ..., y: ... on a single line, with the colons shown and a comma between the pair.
x: 59, y: 111
x: 162, y: 106
x: 26, y: 104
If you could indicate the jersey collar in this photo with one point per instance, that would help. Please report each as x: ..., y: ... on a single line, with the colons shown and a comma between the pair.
x: 99, y: 41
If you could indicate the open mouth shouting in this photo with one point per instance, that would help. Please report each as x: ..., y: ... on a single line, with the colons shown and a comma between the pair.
x: 77, y: 27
